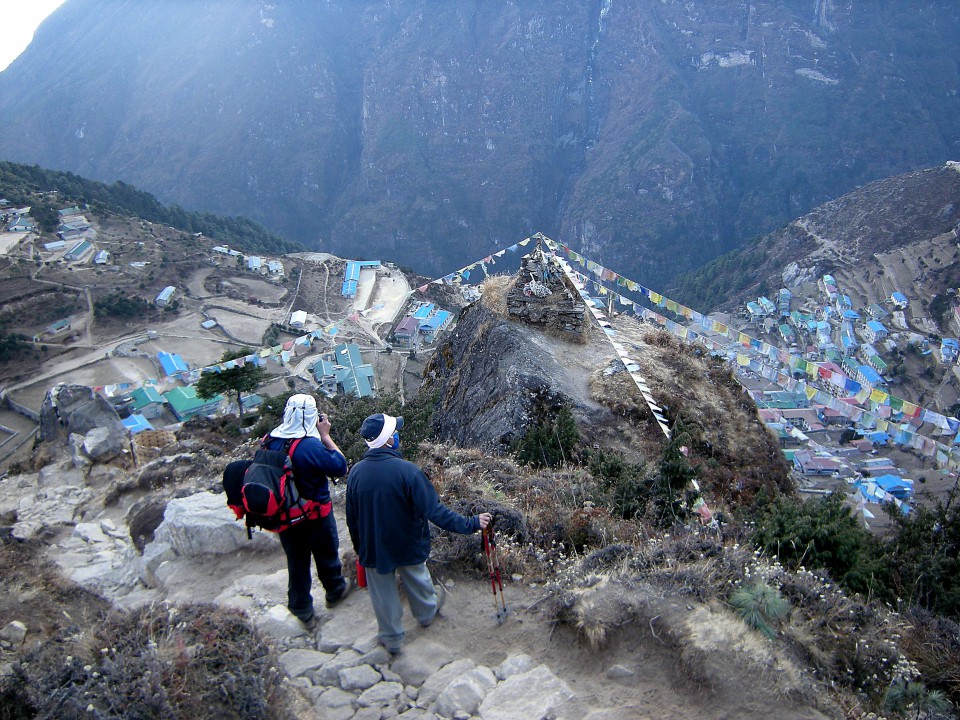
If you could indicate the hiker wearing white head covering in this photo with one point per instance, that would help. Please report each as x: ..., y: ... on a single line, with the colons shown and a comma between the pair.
x: 300, y: 417
x: 316, y: 459
x: 389, y: 504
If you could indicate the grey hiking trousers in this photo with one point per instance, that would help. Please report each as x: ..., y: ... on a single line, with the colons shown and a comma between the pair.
x: 385, y: 597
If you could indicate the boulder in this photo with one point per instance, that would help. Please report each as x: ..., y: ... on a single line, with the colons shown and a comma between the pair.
x: 536, y: 693
x: 78, y: 457
x: 465, y: 693
x: 76, y: 409
x: 438, y: 681
x: 421, y: 659
x: 103, y: 444
x: 13, y: 634
x: 360, y: 677
x: 203, y: 524
x: 298, y: 661
x: 380, y: 694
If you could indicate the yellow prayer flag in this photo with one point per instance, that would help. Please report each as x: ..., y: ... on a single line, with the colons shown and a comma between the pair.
x: 810, y: 392
x: 878, y: 396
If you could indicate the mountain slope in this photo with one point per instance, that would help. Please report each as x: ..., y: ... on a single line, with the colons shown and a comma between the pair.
x: 653, y: 135
x: 915, y: 213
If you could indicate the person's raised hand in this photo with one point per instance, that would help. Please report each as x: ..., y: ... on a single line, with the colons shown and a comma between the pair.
x: 323, y: 425
x: 485, y: 519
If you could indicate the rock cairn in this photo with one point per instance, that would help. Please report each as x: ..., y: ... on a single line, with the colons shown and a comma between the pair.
x: 542, y: 297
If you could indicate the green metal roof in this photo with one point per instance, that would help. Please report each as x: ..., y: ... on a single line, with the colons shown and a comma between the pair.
x: 146, y: 395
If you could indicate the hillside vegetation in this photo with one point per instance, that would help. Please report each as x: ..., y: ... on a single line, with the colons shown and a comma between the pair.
x: 20, y: 183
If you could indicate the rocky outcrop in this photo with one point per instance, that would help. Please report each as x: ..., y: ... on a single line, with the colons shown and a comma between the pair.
x: 495, y: 377
x: 77, y: 409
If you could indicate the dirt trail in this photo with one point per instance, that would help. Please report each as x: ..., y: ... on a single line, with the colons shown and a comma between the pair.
x: 652, y: 683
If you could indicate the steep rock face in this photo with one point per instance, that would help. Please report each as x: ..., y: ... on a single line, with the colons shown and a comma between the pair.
x: 652, y: 135
x: 493, y: 378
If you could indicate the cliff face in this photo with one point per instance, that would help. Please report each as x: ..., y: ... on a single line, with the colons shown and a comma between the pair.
x: 493, y: 377
x: 653, y: 135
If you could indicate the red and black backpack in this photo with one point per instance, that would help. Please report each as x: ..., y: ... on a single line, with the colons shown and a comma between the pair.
x: 267, y: 496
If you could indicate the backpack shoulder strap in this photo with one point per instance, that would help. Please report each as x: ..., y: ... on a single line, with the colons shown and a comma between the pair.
x: 290, y: 447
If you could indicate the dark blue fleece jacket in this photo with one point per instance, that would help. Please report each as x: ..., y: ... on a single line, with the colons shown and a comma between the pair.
x: 389, y: 501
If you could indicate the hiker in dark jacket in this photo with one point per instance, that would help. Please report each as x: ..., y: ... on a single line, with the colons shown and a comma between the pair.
x: 389, y: 504
x: 316, y: 458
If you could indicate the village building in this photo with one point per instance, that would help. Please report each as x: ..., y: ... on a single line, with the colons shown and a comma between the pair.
x: 806, y: 463
x: 406, y: 333
x: 783, y: 301
x: 208, y: 324
x: 78, y: 251
x: 767, y: 305
x: 298, y: 318
x: 101, y: 258
x: 434, y: 324
x: 171, y: 363
x: 136, y: 424
x: 54, y: 246
x: 351, y: 276
x: 344, y: 371
x: 874, y: 331
x: 866, y: 375
x: 163, y: 299
x: 185, y: 404
x: 899, y: 300
x: 949, y: 350
x: 877, y: 312
x: 148, y: 402
x: 21, y: 224
x: 254, y: 263
x: 275, y: 267
x: 58, y: 327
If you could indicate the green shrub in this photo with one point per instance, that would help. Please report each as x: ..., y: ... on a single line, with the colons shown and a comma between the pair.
x: 761, y: 607
x: 550, y: 441
x: 905, y: 696
x: 621, y: 486
x: 820, y: 533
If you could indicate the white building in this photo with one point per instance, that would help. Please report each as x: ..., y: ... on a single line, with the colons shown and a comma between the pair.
x: 164, y: 297
x: 298, y: 318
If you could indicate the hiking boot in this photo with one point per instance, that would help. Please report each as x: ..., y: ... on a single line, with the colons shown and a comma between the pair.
x: 347, y: 589
x: 394, y: 650
x: 441, y: 597
x: 309, y: 623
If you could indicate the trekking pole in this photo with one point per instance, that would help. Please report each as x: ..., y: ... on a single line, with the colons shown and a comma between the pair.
x: 496, y: 579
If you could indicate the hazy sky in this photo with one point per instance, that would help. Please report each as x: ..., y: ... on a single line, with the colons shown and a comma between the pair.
x: 19, y: 19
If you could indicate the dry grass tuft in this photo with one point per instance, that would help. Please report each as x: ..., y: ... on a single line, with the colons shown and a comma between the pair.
x: 494, y: 293
x: 185, y: 661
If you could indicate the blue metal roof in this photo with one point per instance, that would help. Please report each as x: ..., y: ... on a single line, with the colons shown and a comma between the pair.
x: 424, y: 311
x: 136, y: 424
x: 870, y: 375
x: 171, y: 363
x: 349, y: 288
x: 435, y: 322
x: 875, y: 326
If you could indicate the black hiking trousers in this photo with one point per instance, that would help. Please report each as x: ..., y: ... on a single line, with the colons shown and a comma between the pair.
x: 318, y: 539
